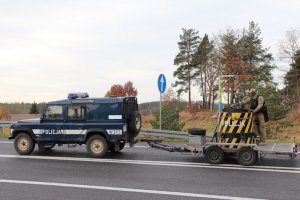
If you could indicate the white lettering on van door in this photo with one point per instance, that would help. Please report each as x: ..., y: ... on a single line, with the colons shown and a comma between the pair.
x: 114, y: 132
x: 114, y: 116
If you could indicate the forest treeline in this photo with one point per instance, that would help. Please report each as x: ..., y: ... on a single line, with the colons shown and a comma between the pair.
x: 240, y: 53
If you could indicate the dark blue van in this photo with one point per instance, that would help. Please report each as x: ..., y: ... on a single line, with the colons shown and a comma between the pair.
x: 103, y: 124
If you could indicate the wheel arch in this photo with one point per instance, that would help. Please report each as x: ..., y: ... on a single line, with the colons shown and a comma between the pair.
x: 17, y: 131
x: 96, y: 131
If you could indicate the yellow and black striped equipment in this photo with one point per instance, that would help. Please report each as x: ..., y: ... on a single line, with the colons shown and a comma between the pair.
x: 235, y: 128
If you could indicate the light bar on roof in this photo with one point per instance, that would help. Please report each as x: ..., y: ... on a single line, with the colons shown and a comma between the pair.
x: 78, y: 95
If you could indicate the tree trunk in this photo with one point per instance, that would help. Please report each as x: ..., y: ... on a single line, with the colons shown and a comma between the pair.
x: 205, y: 82
x: 201, y: 85
x: 189, y: 80
x: 209, y: 98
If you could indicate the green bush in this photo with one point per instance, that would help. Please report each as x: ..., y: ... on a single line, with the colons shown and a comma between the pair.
x: 170, y: 119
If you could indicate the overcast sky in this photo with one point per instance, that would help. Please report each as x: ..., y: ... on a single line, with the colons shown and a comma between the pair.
x: 51, y: 48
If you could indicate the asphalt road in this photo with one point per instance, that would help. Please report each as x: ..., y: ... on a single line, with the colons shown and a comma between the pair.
x: 141, y: 173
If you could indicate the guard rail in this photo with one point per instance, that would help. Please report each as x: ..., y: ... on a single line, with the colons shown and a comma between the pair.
x: 144, y: 131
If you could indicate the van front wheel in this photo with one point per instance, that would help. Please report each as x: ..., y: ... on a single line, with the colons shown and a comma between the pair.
x: 24, y: 144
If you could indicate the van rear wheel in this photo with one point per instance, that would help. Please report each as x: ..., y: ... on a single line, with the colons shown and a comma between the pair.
x: 97, y: 146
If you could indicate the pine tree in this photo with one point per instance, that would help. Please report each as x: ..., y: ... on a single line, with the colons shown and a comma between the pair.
x: 188, y: 44
x: 34, y: 109
x: 203, y: 68
x: 250, y: 46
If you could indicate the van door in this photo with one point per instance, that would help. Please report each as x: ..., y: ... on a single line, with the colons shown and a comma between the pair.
x: 51, y: 126
x: 74, y: 125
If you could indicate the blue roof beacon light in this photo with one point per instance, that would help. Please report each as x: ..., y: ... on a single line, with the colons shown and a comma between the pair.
x: 78, y: 95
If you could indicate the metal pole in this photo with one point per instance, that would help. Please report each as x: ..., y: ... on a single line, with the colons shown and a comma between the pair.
x: 220, y: 81
x: 159, y: 111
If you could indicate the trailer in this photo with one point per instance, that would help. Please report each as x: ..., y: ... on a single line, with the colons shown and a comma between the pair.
x: 234, y: 136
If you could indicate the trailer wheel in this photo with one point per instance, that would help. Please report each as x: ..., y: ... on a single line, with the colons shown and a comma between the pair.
x: 214, y: 155
x: 246, y: 156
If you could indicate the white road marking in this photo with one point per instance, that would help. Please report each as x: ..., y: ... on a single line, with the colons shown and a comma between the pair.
x: 161, y: 163
x: 120, y: 189
x: 273, y: 147
x: 137, y: 147
x: 2, y: 142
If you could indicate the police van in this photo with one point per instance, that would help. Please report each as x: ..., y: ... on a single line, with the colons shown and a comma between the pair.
x: 102, y: 124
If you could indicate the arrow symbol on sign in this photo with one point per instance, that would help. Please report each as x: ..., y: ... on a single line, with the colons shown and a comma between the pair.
x: 162, y: 80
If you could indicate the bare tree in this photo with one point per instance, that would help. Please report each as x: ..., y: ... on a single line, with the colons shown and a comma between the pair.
x: 289, y: 45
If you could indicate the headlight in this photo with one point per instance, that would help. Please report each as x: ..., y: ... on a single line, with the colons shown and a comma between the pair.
x: 12, y: 127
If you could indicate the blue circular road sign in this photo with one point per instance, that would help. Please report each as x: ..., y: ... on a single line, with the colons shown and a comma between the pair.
x: 162, y: 83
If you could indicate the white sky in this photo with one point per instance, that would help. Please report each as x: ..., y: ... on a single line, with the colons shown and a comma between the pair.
x: 51, y: 48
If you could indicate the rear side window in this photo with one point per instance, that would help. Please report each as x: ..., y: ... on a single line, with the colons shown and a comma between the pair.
x: 54, y: 112
x: 75, y: 112
x: 107, y: 111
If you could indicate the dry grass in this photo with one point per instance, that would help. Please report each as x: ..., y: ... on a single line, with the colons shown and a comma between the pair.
x: 198, y: 120
x: 203, y: 119
x: 290, y: 133
x: 146, y: 121
x: 5, y: 132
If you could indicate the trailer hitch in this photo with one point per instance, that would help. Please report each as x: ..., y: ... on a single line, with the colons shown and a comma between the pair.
x: 156, y: 143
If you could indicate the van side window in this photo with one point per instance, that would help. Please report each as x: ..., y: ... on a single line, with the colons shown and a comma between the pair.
x: 54, y: 112
x: 75, y: 112
x: 107, y: 111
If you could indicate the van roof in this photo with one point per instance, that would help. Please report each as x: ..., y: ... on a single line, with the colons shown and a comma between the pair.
x: 93, y: 100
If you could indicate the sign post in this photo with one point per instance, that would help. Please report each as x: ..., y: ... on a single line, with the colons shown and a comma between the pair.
x: 220, y: 81
x: 161, y: 83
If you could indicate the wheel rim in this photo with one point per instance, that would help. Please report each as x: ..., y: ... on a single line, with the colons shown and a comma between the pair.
x: 246, y: 157
x: 97, y: 146
x: 23, y: 144
x: 214, y: 155
x: 138, y: 122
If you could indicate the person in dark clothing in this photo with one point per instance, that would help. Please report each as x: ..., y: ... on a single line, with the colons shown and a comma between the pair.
x: 258, y: 107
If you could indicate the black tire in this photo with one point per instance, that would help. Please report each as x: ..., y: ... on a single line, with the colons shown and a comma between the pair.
x: 246, y: 156
x: 50, y: 146
x: 197, y: 131
x: 112, y: 148
x: 45, y: 147
x: 214, y: 155
x: 97, y: 146
x: 24, y: 144
x: 135, y: 123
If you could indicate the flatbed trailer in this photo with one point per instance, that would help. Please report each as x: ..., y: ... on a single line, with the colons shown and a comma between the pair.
x: 246, y: 154
x: 234, y: 136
